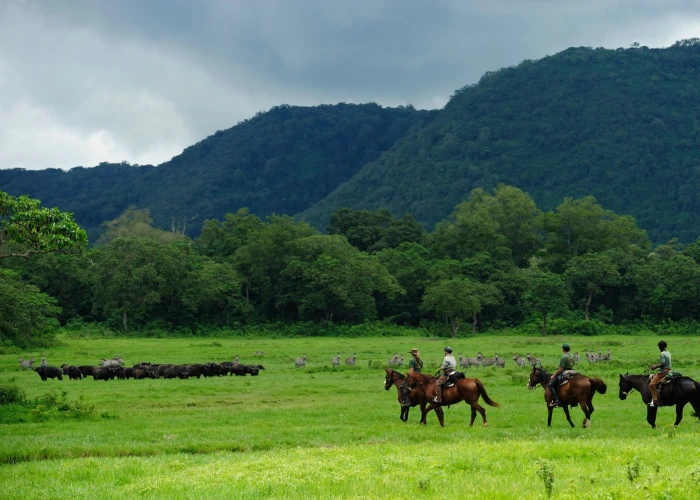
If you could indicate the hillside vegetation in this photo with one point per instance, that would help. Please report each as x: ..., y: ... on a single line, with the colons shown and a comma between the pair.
x: 621, y: 125
x: 281, y: 161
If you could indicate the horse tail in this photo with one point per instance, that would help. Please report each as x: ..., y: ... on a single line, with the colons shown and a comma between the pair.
x: 597, y: 384
x: 486, y: 397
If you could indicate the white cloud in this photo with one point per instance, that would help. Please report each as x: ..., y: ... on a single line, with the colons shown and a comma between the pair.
x: 97, y: 80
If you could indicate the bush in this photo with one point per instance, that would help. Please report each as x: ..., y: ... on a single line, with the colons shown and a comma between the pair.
x: 11, y: 394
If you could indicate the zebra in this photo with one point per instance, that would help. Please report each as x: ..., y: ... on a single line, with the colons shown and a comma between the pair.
x: 351, y: 361
x: 487, y: 361
x: 592, y: 357
x: 400, y: 361
x: 116, y: 361
x: 26, y: 365
x: 43, y: 361
x: 519, y: 362
x: 300, y: 361
x: 235, y: 361
x: 607, y: 356
x: 499, y: 361
x: 576, y: 357
x: 394, y: 360
x: 259, y: 353
x: 533, y: 360
x: 336, y: 361
x: 467, y: 362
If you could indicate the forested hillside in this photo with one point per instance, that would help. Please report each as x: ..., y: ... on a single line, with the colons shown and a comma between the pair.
x: 281, y: 161
x: 621, y: 125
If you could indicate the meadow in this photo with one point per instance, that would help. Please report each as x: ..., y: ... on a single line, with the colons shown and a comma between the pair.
x: 325, y: 432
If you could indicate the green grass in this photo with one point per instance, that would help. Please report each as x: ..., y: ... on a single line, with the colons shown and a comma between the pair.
x: 334, y: 432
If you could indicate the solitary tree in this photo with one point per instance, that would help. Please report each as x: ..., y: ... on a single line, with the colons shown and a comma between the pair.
x: 546, y: 293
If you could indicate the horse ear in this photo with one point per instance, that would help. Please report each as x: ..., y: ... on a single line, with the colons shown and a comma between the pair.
x: 626, y: 373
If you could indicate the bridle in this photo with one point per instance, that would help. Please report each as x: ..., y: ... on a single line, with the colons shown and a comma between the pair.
x: 633, y: 388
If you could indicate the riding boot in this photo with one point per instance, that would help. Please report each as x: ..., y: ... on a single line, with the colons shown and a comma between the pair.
x: 438, y: 394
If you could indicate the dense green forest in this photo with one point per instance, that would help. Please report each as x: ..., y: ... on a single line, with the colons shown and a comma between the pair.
x: 282, y: 161
x: 496, y: 262
x: 621, y: 125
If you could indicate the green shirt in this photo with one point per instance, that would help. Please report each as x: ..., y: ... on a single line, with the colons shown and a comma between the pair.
x: 417, y: 367
x: 664, y: 361
x: 567, y: 361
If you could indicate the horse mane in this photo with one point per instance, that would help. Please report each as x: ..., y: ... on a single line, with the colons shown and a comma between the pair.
x: 401, y: 375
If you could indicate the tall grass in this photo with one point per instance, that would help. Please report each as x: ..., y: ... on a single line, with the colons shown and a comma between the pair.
x: 326, y: 432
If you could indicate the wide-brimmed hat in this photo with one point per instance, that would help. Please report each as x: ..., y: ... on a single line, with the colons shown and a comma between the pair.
x: 414, y: 351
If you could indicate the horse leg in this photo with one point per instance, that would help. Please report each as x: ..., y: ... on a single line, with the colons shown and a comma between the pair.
x: 679, y: 413
x: 696, y: 407
x: 549, y: 417
x: 651, y: 416
x: 424, y: 413
x: 404, y: 413
x: 565, y: 407
x: 441, y: 415
x: 471, y: 423
x: 586, y: 408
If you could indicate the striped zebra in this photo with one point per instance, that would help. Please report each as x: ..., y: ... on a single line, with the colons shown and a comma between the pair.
x: 499, y: 361
x: 576, y: 357
x: 300, y: 361
x: 351, y: 361
x: 486, y: 361
x: 468, y: 362
x: 26, y: 364
x: 519, y: 362
x: 533, y: 360
x: 394, y: 360
x: 607, y: 356
x: 336, y: 361
x: 400, y: 361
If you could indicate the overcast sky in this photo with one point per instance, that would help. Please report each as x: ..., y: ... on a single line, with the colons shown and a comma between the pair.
x: 85, y: 81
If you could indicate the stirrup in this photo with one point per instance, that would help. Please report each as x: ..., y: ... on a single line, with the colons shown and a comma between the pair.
x: 554, y: 404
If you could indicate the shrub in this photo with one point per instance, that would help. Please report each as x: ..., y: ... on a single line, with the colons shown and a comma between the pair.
x: 11, y: 394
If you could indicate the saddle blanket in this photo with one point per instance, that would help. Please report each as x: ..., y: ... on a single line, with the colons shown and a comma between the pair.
x: 566, y: 375
x: 670, y: 377
x: 452, y: 379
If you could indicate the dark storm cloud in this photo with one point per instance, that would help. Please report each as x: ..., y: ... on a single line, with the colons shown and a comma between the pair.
x: 85, y: 81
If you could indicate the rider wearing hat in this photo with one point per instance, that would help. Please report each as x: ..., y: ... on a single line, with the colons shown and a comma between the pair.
x: 415, y: 365
x: 449, y: 365
x: 566, y: 362
x: 664, y: 366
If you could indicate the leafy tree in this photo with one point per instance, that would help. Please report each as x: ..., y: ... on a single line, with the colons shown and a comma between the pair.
x: 370, y: 231
x: 582, y: 226
x: 134, y: 275
x: 26, y: 314
x: 590, y: 273
x: 669, y: 288
x: 135, y: 223
x: 328, y: 279
x: 546, y: 293
x: 458, y: 298
x: 26, y: 228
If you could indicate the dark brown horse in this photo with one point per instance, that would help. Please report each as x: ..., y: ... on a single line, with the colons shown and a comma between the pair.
x: 466, y: 389
x: 678, y: 392
x: 579, y: 390
x: 416, y: 396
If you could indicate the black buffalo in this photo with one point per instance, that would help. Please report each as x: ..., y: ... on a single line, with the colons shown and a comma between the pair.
x: 104, y: 373
x: 87, y: 370
x: 46, y: 372
x: 73, y: 373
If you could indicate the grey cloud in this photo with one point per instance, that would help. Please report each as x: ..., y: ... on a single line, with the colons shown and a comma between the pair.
x: 140, y: 80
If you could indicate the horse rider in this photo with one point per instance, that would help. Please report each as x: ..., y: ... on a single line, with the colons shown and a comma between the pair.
x: 449, y: 365
x: 566, y: 362
x: 664, y: 366
x: 415, y: 365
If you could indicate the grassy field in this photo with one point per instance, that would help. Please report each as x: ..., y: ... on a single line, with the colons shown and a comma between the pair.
x: 334, y: 432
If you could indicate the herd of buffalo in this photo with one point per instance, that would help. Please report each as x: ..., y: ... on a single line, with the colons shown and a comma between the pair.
x: 114, y: 368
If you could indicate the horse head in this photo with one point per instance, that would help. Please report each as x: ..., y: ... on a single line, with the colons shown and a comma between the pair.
x: 537, y: 376
x: 626, y: 386
x: 390, y: 379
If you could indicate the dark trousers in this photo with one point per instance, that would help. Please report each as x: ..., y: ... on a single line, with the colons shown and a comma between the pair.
x: 553, y: 384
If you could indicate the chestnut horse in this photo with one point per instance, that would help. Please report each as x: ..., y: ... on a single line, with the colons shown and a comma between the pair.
x: 416, y: 396
x: 466, y: 389
x: 579, y: 390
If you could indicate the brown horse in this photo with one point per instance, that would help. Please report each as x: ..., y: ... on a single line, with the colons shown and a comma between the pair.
x: 466, y: 389
x: 416, y: 396
x: 579, y: 390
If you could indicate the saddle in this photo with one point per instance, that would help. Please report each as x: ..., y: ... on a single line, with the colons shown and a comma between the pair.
x: 452, y: 379
x: 567, y: 375
x: 670, y: 377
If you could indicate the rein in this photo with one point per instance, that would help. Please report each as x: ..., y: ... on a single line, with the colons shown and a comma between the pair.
x: 626, y: 393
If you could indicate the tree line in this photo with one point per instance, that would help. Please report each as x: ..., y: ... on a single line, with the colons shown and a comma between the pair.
x: 498, y: 261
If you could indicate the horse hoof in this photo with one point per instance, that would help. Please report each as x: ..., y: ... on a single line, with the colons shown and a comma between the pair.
x: 486, y: 424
